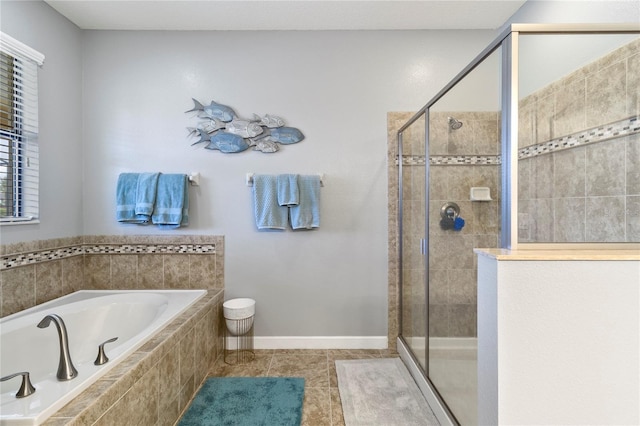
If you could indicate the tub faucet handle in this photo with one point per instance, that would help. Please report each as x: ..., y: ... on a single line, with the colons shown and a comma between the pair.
x: 26, y: 388
x: 102, y: 357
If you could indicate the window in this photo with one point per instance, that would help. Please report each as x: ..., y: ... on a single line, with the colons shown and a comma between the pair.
x: 19, y: 200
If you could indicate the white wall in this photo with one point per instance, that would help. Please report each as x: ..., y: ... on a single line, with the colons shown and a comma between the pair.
x: 60, y: 114
x: 563, y: 54
x: 577, y: 11
x: 559, y: 341
x: 335, y: 86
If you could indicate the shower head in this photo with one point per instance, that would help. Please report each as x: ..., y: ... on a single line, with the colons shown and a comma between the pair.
x: 454, y: 124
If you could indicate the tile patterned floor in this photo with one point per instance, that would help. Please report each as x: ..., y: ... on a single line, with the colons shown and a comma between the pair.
x: 321, y: 397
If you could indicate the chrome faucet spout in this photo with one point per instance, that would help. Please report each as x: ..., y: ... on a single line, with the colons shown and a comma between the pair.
x: 66, y: 370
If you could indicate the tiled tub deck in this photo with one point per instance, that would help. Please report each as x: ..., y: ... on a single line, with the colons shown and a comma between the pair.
x: 154, y: 385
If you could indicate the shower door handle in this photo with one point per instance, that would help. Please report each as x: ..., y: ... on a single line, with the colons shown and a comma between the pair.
x: 423, y: 246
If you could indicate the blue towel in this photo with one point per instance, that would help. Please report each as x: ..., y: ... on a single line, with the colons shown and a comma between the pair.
x: 172, y: 201
x: 288, y: 190
x: 146, y: 193
x: 268, y: 213
x: 126, y: 197
x: 306, y: 214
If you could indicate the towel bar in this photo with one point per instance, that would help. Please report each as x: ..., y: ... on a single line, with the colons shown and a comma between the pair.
x: 249, y: 179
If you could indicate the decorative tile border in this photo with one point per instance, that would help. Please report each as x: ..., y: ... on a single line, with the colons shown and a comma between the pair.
x: 23, y: 259
x: 150, y: 249
x: 464, y: 160
x: 451, y: 160
x: 626, y: 127
x: 622, y: 128
x: 412, y: 160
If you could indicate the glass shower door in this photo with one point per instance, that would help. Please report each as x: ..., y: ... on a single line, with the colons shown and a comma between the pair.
x: 464, y: 205
x: 412, y: 233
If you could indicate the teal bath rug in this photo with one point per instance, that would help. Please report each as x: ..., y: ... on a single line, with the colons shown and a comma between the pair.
x: 247, y: 401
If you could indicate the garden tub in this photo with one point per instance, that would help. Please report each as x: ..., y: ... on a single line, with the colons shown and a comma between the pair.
x: 91, y: 318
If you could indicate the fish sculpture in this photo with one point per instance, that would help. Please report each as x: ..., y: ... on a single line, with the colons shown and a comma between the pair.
x: 286, y: 135
x: 244, y: 128
x: 222, y: 130
x: 227, y: 142
x: 270, y: 121
x: 208, y: 127
x: 204, y: 136
x: 213, y: 110
x: 266, y: 146
x: 212, y: 125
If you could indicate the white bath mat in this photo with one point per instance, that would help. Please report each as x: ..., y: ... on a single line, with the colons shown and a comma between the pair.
x: 381, y: 392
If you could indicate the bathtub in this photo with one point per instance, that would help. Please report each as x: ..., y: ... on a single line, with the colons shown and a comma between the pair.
x: 91, y: 317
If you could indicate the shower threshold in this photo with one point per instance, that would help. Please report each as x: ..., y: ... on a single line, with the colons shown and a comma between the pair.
x: 453, y: 370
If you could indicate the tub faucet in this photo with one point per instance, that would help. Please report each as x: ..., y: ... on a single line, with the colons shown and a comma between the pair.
x: 66, y: 370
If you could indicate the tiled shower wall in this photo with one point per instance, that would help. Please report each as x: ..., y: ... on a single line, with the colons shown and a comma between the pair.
x: 459, y: 159
x: 579, y: 181
x: 579, y: 166
x: 35, y: 272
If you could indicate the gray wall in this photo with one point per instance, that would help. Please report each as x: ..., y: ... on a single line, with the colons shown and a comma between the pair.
x: 60, y: 113
x: 128, y: 97
x: 335, y: 86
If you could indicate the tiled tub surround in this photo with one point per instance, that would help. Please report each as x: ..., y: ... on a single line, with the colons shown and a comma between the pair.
x: 154, y: 385
x: 579, y: 149
x: 39, y: 271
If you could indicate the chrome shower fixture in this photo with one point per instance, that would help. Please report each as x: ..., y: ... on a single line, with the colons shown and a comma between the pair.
x: 454, y: 124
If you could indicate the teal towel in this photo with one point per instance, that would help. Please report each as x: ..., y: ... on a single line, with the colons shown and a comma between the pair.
x: 288, y: 190
x: 126, y: 197
x: 306, y: 215
x: 146, y: 193
x: 172, y: 201
x: 268, y: 213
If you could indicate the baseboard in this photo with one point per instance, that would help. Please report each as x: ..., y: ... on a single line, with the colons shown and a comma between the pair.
x: 320, y: 342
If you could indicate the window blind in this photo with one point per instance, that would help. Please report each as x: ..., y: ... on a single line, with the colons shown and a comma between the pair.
x: 19, y: 154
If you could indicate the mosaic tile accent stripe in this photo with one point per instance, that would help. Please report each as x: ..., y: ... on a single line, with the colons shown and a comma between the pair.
x: 626, y: 127
x: 464, y: 160
x: 451, y: 160
x: 150, y: 249
x: 23, y: 259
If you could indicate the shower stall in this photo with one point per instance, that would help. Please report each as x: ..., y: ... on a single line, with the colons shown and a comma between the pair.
x: 535, y: 144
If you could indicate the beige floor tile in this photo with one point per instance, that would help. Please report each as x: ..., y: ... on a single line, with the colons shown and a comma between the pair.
x: 337, y: 418
x: 317, y: 407
x: 322, y: 406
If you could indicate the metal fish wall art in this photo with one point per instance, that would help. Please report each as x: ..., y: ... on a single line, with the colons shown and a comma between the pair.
x: 213, y: 110
x: 223, y: 130
x: 227, y: 142
x: 269, y: 121
x: 264, y: 145
x: 246, y: 129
